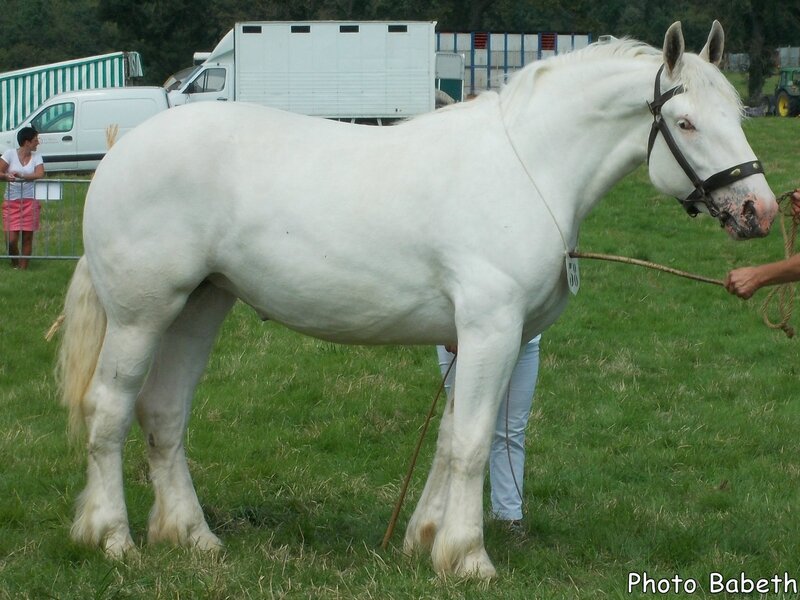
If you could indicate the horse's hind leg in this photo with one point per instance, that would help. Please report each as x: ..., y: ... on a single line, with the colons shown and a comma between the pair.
x: 101, y: 517
x: 163, y: 412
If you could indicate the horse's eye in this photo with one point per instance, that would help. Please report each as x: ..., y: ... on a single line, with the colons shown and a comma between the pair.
x: 686, y: 125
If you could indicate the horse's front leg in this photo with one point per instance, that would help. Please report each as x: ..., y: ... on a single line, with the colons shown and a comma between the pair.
x: 429, y: 514
x: 486, y: 357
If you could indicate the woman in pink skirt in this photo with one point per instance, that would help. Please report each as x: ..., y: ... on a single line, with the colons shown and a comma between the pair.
x: 19, y: 168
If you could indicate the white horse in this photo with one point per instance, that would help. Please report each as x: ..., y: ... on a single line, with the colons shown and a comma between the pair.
x: 449, y: 227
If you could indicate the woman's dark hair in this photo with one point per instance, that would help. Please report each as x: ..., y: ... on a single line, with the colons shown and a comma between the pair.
x: 26, y: 134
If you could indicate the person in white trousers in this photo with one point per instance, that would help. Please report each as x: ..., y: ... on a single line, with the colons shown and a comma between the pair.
x: 507, y: 456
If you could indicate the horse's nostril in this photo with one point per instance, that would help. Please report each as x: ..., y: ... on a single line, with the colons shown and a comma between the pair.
x: 749, y: 209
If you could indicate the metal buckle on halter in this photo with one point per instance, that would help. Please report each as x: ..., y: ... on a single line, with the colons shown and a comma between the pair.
x: 698, y: 195
x: 702, y: 188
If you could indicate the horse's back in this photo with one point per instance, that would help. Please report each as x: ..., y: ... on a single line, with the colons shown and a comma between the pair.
x: 300, y: 217
x: 222, y: 149
x: 211, y: 169
x: 347, y: 232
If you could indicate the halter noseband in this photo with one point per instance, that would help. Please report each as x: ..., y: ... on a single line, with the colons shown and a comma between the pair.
x: 702, y: 189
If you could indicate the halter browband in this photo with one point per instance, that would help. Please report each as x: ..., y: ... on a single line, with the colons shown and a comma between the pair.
x: 702, y: 189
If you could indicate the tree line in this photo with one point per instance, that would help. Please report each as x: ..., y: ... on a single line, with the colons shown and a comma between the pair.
x: 168, y: 32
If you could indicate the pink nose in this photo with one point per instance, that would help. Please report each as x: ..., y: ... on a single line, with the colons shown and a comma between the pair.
x: 762, y: 214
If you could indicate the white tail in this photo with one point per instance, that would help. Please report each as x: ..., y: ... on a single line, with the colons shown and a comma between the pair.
x: 83, y: 331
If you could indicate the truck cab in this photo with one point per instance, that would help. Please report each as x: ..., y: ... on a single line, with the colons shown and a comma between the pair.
x: 206, y: 83
x: 211, y: 80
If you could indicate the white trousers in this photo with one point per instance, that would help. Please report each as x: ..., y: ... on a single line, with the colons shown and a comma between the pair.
x: 507, y: 456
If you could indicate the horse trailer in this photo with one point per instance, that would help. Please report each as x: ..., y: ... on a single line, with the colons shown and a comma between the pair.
x: 341, y: 70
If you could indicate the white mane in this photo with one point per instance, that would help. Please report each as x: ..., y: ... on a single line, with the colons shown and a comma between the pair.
x: 696, y: 74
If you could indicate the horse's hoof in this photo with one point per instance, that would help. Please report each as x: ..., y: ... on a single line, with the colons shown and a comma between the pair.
x: 119, y: 545
x: 477, y: 565
x: 206, y: 542
x: 459, y: 551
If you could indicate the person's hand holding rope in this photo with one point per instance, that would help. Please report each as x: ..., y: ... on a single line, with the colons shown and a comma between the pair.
x: 746, y: 281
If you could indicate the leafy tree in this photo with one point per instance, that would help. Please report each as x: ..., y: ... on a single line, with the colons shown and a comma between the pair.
x: 168, y: 32
x: 36, y: 32
x: 165, y: 32
x: 758, y: 27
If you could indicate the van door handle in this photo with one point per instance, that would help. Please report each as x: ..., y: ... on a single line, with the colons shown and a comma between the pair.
x: 66, y: 138
x: 222, y: 99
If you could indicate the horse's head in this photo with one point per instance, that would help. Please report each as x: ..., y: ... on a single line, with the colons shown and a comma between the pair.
x: 697, y: 150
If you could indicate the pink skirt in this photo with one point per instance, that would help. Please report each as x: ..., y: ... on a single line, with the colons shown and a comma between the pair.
x: 21, y: 215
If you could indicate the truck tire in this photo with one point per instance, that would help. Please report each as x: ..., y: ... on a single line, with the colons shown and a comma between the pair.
x: 785, y: 105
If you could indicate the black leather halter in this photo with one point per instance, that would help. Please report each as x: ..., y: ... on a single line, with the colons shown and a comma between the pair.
x: 702, y: 189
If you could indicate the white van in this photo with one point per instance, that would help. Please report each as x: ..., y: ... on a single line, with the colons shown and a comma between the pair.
x: 72, y: 126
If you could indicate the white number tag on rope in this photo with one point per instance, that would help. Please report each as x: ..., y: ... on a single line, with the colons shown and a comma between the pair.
x: 573, y: 275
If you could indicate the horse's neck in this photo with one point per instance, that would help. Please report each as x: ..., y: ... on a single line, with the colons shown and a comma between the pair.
x: 582, y: 131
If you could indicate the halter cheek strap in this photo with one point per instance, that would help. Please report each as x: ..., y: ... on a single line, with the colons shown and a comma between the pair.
x: 702, y: 188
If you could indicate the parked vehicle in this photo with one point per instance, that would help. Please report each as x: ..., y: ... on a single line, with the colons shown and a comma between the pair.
x: 23, y: 91
x: 73, y: 126
x: 492, y: 57
x: 450, y: 76
x: 341, y: 70
x: 786, y: 99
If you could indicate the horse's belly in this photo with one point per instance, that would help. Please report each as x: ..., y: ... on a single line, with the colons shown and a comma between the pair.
x: 346, y: 307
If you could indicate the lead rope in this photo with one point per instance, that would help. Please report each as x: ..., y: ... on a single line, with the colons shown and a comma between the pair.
x: 784, y: 293
x: 647, y: 264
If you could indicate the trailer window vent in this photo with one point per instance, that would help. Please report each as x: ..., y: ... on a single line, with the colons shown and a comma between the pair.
x: 301, y: 28
x: 348, y: 28
x: 251, y: 29
x: 398, y: 28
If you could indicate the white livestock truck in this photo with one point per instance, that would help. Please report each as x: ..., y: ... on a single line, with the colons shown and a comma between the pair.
x: 373, y: 70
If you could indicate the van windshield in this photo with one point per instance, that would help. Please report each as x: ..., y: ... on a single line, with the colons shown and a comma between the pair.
x: 58, y: 118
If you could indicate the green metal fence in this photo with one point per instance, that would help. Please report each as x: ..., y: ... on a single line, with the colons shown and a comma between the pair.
x: 59, y: 236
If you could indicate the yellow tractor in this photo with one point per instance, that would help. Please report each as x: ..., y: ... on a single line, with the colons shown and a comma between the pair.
x: 787, y: 93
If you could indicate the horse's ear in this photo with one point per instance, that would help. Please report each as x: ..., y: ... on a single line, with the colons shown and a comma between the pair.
x: 673, y: 47
x: 715, y: 44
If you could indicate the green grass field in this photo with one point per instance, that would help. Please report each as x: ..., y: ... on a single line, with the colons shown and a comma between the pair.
x: 664, y: 439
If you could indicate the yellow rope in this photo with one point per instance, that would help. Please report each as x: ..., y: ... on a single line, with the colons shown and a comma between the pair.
x: 784, y: 293
x: 647, y: 264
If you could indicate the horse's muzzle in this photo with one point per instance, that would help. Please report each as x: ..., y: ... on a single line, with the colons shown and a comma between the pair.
x: 751, y: 218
